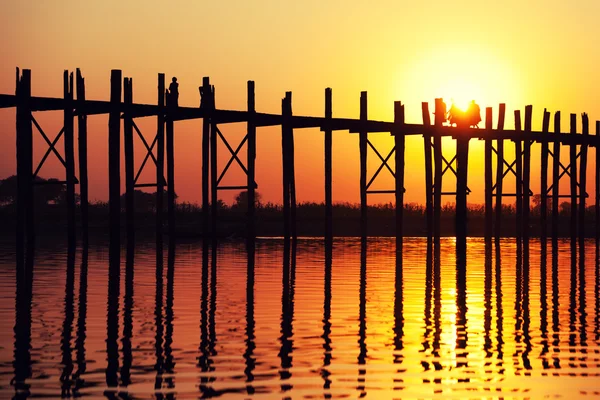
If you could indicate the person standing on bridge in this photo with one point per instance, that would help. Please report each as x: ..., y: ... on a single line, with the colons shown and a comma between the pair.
x: 174, y: 93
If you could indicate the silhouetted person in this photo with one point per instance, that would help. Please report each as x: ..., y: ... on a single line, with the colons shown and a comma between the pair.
x: 473, y: 114
x: 174, y: 92
x: 470, y: 117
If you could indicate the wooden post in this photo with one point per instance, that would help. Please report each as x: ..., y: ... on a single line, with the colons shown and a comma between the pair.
x: 129, y: 160
x: 83, y: 167
x: 205, y: 90
x: 499, y: 171
x: 24, y: 231
x: 170, y: 147
x: 597, y: 173
x: 526, y: 171
x: 585, y: 130
x: 69, y: 154
x: 462, y: 159
x: 519, y: 177
x: 437, y: 157
x: 292, y: 176
x: 286, y: 111
x: 488, y: 175
x: 328, y: 166
x: 114, y: 163
x: 362, y: 145
x: 556, y: 177
x: 544, y: 180
x: 573, y: 171
x: 399, y: 143
x: 428, y: 169
x: 160, y: 159
x: 214, y: 194
x: 251, y: 176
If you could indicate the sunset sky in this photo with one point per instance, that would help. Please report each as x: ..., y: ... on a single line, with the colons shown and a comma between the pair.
x: 543, y: 53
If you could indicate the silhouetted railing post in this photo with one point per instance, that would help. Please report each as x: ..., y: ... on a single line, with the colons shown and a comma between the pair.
x: 69, y: 154
x: 438, y: 164
x: 83, y: 165
x: 160, y: 160
x: 544, y: 179
x: 585, y: 130
x: 428, y: 169
x: 573, y: 173
x: 499, y: 171
x: 519, y: 178
x: 526, y: 171
x: 170, y: 147
x: 286, y: 113
x: 328, y: 166
x: 556, y: 176
x: 251, y: 176
x: 114, y: 162
x: 129, y: 160
x: 362, y: 145
x: 488, y: 174
x: 205, y: 90
x: 25, y: 233
x: 399, y: 143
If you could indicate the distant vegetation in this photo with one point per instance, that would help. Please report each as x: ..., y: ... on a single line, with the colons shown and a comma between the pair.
x: 50, y: 214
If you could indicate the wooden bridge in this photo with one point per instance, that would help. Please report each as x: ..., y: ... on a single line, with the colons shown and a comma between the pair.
x: 120, y: 106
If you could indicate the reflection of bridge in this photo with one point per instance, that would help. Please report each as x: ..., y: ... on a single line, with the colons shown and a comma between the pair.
x: 121, y: 106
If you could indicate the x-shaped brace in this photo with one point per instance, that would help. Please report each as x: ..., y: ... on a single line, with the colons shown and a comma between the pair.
x: 149, y: 153
x: 234, y: 155
x: 51, y: 148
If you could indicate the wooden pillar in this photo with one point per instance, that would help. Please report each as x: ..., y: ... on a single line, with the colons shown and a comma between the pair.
x: 362, y: 145
x: 328, y: 166
x: 526, y: 171
x: 214, y: 194
x: 573, y: 171
x: 488, y: 175
x: 205, y: 90
x: 83, y: 167
x: 129, y: 160
x: 428, y: 169
x: 499, y: 171
x: 519, y: 178
x: 251, y: 176
x: 437, y: 158
x: 160, y: 159
x: 69, y: 154
x: 585, y: 130
x: 24, y: 142
x: 292, y: 176
x: 286, y: 113
x: 556, y: 177
x: 544, y: 179
x: 597, y: 173
x: 114, y: 163
x: 399, y: 144
x: 462, y: 159
x: 170, y: 147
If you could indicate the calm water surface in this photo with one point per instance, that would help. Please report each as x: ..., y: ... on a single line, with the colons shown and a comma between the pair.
x: 303, y: 322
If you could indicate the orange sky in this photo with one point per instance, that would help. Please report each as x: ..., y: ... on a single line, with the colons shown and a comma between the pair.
x: 540, y: 53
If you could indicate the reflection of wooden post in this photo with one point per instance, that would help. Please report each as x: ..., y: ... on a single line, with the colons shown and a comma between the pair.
x: 519, y: 178
x: 160, y: 159
x: 251, y: 176
x: 597, y: 173
x: 526, y: 171
x: 437, y: 161
x: 544, y: 179
x: 129, y: 161
x: 499, y: 171
x: 362, y: 145
x: 328, y: 166
x: 573, y: 171
x: 399, y: 142
x: 83, y: 167
x: 114, y: 162
x: 488, y: 174
x: 286, y: 113
x: 556, y: 176
x: 585, y: 130
x: 69, y: 154
x: 428, y: 169
x: 205, y: 91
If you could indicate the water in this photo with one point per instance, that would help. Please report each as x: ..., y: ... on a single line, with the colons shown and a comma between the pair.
x: 524, y: 327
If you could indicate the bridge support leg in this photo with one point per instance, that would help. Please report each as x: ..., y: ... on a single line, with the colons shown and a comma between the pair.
x: 214, y: 198
x: 328, y: 168
x: 585, y: 130
x: 362, y: 144
x: 462, y: 159
x: 69, y: 155
x: 526, y: 173
x: 205, y: 90
x: 399, y: 142
x: 160, y: 162
x: 488, y: 176
x: 519, y: 180
x: 437, y: 156
x: 428, y: 171
x: 129, y: 160
x: 83, y: 165
x: 544, y: 180
x: 170, y: 145
x: 286, y: 136
x: 573, y: 173
x: 251, y: 176
x: 555, y: 178
x: 114, y: 164
x: 597, y: 165
x: 499, y: 172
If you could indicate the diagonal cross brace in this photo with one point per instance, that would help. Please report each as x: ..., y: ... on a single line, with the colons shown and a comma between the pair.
x: 51, y: 148
x: 384, y: 163
x: 149, y: 153
x: 234, y: 156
